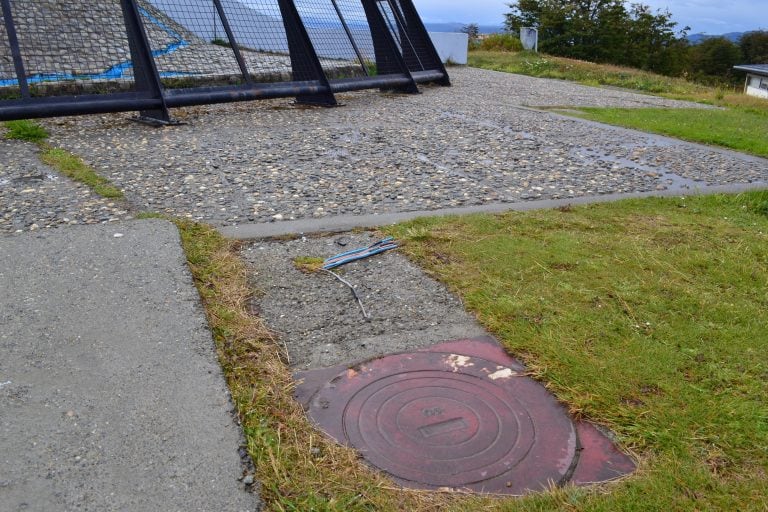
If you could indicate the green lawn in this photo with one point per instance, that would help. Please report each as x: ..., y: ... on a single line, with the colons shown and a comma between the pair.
x: 588, y: 73
x: 735, y: 128
x: 647, y: 316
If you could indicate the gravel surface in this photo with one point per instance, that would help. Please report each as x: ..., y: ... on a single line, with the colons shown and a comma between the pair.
x: 320, y: 321
x: 33, y: 196
x: 475, y: 143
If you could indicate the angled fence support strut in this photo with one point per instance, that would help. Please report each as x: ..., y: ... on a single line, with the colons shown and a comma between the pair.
x: 389, y: 60
x: 351, y: 38
x: 145, y: 74
x: 305, y: 63
x: 232, y: 41
x: 403, y: 29
x: 414, y: 28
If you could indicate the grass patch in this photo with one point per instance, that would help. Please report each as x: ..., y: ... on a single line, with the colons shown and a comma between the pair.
x: 221, y: 42
x: 25, y: 130
x: 757, y: 202
x: 308, y: 264
x: 151, y: 215
x: 589, y: 73
x: 300, y: 469
x: 499, y: 43
x: 735, y: 128
x: 73, y: 167
x: 62, y: 161
x: 647, y: 316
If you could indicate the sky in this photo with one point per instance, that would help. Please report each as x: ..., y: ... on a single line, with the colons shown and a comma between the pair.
x: 707, y: 16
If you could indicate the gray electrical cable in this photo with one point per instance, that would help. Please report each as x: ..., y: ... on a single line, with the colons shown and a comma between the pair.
x: 354, y: 292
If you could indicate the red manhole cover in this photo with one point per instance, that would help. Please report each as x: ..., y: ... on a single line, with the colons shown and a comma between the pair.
x: 448, y: 420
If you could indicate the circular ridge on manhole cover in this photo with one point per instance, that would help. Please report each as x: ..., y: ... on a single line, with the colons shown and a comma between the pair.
x: 445, y: 420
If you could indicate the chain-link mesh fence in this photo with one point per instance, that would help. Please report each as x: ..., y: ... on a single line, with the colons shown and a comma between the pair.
x: 66, y: 44
x: 8, y: 84
x: 98, y: 47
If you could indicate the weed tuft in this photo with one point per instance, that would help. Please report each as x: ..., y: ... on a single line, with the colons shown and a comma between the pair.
x: 152, y: 215
x: 308, y: 264
x: 756, y: 202
x: 63, y: 161
x: 25, y: 130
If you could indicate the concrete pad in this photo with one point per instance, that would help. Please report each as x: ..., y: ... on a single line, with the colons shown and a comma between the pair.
x: 321, y: 323
x: 111, y: 397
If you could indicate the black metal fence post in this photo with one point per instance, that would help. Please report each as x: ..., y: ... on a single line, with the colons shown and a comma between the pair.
x: 145, y: 74
x: 389, y: 60
x: 305, y: 64
x: 13, y: 41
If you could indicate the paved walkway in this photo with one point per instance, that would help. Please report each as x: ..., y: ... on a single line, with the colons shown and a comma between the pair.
x: 476, y: 143
x: 111, y: 397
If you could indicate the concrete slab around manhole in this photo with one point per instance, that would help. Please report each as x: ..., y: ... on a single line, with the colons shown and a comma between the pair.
x: 111, y: 397
x: 457, y: 415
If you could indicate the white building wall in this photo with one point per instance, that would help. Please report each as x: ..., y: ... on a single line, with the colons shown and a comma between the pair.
x: 451, y: 45
x: 757, y: 86
x: 754, y: 91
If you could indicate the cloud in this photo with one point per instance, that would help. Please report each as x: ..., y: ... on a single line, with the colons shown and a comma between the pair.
x: 712, y: 16
x: 479, y: 11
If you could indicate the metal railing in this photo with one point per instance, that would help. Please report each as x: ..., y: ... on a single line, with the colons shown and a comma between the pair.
x: 96, y: 56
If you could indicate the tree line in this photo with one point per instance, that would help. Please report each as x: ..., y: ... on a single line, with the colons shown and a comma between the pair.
x: 616, y: 32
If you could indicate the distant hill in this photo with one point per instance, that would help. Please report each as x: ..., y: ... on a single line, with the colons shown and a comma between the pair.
x: 456, y: 27
x: 731, y: 36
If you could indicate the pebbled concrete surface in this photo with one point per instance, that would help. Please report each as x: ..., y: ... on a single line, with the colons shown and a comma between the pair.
x: 476, y: 143
x: 319, y: 320
x: 479, y: 143
x: 111, y: 397
x: 34, y: 196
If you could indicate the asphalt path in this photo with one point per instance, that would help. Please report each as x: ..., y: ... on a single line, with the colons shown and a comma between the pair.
x: 111, y: 396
